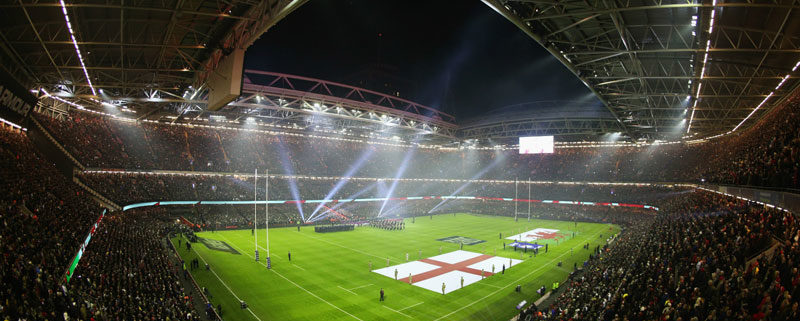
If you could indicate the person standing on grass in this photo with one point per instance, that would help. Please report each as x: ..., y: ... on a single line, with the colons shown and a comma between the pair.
x: 290, y: 256
x: 462, y: 281
x: 381, y: 294
x: 443, y: 288
x: 395, y: 274
x: 504, y: 269
x: 492, y: 268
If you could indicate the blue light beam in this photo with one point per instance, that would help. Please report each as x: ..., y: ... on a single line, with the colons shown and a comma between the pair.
x: 400, y: 172
x: 287, y: 168
x: 486, y: 169
x: 343, y: 181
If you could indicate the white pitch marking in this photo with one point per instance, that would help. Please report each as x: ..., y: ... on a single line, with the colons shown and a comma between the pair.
x: 498, y: 290
x: 492, y: 285
x: 346, y: 290
x: 352, y: 249
x: 274, y: 257
x: 406, y: 315
x: 363, y: 286
x: 295, y: 284
x: 411, y: 306
x: 223, y: 283
x: 297, y: 266
x: 309, y: 292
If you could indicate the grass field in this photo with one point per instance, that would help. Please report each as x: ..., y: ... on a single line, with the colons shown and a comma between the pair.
x: 328, y: 277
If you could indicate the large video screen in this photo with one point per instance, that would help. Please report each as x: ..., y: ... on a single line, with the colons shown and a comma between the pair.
x: 536, y: 145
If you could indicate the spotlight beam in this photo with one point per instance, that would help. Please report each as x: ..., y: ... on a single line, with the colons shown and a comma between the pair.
x: 328, y: 211
x: 287, y: 168
x: 400, y: 172
x: 356, y: 195
x: 343, y: 181
x: 486, y: 169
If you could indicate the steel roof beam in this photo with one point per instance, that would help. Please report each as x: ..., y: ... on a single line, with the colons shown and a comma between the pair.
x: 611, y: 54
x: 123, y: 7
x: 602, y: 10
x: 763, y: 58
x: 108, y: 44
x: 39, y: 37
x: 520, y: 23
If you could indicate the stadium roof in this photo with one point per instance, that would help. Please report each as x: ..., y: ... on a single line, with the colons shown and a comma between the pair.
x: 663, y: 65
x: 661, y: 68
x: 571, y: 120
x: 128, y: 51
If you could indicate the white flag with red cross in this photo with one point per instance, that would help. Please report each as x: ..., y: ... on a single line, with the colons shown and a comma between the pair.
x: 448, y: 268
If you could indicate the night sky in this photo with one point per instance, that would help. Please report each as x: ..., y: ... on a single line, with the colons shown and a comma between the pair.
x: 458, y: 56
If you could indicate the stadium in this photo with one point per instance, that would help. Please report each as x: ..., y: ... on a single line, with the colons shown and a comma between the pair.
x: 387, y: 160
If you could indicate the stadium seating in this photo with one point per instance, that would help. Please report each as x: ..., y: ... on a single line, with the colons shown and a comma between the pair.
x: 129, y: 145
x: 701, y: 257
x: 45, y: 218
x: 696, y: 262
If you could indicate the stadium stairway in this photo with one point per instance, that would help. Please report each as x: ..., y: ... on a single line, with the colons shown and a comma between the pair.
x: 96, y: 195
x: 767, y: 252
x: 24, y: 209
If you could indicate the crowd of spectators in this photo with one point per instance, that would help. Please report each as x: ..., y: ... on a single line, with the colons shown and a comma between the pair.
x: 126, y: 145
x: 102, y: 142
x: 127, y: 188
x: 766, y: 155
x: 45, y: 218
x: 696, y: 260
x: 125, y: 273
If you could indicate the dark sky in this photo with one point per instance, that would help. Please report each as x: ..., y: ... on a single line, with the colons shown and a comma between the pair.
x: 458, y: 56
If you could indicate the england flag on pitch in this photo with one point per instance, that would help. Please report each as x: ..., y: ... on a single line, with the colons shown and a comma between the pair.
x: 448, y: 269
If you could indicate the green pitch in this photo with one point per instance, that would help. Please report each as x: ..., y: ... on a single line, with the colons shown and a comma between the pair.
x: 328, y: 277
